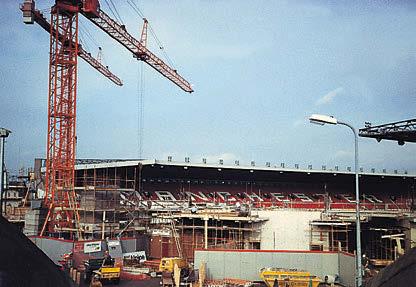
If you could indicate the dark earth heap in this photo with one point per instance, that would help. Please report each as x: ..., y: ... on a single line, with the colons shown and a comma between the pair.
x: 23, y: 264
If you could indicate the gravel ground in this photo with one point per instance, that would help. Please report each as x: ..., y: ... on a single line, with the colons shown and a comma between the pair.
x: 153, y: 282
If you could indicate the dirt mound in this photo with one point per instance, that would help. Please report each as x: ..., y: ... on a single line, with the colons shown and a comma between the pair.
x: 400, y: 273
x: 23, y: 264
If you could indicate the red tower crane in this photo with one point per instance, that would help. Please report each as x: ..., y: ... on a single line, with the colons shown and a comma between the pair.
x: 60, y: 196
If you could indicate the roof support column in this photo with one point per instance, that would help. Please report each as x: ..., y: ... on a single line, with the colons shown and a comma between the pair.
x: 206, y: 232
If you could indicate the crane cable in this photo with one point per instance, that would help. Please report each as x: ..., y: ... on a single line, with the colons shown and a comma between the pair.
x: 82, y: 40
x: 86, y: 38
x: 88, y: 34
x: 140, y: 108
x: 114, y: 11
x: 141, y: 80
x: 141, y: 93
x: 139, y: 12
x: 161, y: 47
x: 136, y: 8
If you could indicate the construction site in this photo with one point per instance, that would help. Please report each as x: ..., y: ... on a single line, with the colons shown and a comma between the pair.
x: 193, y: 221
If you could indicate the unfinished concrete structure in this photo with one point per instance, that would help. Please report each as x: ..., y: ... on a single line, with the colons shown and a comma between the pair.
x: 182, y: 206
x: 244, y: 207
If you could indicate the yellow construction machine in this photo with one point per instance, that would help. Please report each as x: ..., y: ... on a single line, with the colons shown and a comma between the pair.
x: 97, y: 268
x: 167, y: 264
x: 109, y: 274
x: 173, y: 270
x: 279, y: 277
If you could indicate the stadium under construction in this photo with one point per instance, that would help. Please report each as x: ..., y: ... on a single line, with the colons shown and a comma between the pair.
x: 195, y: 222
x: 177, y: 208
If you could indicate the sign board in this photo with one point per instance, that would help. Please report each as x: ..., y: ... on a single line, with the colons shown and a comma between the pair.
x: 137, y: 255
x: 113, y: 243
x: 161, y: 232
x: 92, y: 246
x: 78, y: 247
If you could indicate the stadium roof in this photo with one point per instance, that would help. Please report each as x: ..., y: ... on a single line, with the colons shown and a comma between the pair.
x: 403, y: 131
x: 97, y: 164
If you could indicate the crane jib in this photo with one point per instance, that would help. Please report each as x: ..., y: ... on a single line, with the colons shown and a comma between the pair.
x: 119, y: 33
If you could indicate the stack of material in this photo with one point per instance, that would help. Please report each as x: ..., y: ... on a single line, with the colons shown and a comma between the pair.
x: 16, y: 214
x: 34, y: 219
x: 226, y: 282
x: 87, y: 200
x: 100, y: 199
x: 214, y: 283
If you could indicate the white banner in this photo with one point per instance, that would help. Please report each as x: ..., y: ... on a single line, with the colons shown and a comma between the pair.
x: 113, y: 243
x: 140, y: 255
x: 161, y: 232
x: 92, y: 246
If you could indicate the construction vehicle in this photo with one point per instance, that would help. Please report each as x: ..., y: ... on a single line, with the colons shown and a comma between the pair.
x: 279, y: 277
x: 167, y: 264
x: 173, y: 271
x: 106, y: 273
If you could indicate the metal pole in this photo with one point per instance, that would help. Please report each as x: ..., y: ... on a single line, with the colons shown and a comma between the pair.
x: 1, y: 174
x: 206, y: 232
x: 359, y: 276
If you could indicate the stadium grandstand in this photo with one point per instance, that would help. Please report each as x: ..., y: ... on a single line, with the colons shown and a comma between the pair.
x: 183, y: 206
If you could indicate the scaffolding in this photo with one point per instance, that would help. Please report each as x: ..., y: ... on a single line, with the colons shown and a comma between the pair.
x: 109, y: 205
x: 205, y: 229
x: 329, y: 236
x: 113, y: 202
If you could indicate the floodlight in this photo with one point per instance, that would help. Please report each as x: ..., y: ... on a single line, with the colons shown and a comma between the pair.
x: 322, y: 119
x: 4, y: 133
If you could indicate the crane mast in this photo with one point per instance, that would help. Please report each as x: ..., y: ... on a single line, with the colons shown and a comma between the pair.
x: 60, y: 197
x: 62, y: 94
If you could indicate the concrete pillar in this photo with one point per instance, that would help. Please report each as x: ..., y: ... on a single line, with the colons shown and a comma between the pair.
x: 78, y: 278
x: 412, y: 236
x: 409, y: 227
x: 103, y: 227
x: 2, y: 140
x: 202, y: 274
x: 73, y: 274
x: 206, y: 232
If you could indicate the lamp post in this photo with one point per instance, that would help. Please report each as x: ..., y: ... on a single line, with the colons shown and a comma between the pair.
x: 3, y: 135
x: 321, y: 120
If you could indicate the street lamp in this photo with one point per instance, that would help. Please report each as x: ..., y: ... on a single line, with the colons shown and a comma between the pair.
x: 321, y: 120
x: 4, y: 133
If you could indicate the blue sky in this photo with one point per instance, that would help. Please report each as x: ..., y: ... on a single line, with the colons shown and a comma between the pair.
x: 259, y: 69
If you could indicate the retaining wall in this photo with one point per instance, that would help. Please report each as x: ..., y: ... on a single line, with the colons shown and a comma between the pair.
x: 54, y: 248
x: 246, y: 264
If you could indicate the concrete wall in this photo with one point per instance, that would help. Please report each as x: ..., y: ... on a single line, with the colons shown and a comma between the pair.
x: 246, y: 264
x: 128, y: 245
x: 286, y: 229
x: 141, y: 243
x: 55, y: 248
x: 52, y: 247
x: 346, y: 264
